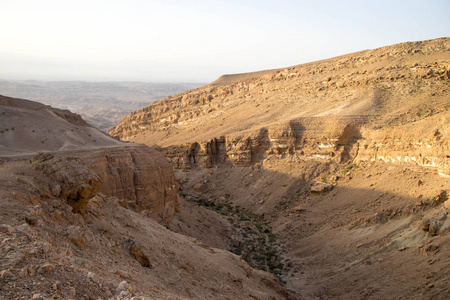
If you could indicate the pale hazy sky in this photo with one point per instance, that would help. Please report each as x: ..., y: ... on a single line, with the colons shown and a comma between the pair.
x: 198, y: 40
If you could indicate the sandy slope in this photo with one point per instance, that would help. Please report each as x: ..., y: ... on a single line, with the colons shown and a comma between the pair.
x: 364, y: 239
x: 27, y: 127
x: 387, y: 86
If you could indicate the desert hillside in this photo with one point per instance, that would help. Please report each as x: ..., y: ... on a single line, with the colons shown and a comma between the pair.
x: 27, y: 127
x: 379, y: 88
x: 85, y: 216
x: 338, y: 170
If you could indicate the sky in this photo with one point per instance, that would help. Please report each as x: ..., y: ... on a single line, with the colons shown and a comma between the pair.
x: 198, y: 40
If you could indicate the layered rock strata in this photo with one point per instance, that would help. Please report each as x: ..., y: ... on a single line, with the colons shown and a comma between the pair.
x: 322, y: 138
x: 139, y: 176
x: 334, y: 139
x: 389, y: 103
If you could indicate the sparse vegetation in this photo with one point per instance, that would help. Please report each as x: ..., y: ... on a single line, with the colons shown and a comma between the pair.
x: 258, y: 245
x: 348, y: 168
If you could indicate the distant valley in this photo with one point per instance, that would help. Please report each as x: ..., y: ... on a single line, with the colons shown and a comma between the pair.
x: 101, y: 104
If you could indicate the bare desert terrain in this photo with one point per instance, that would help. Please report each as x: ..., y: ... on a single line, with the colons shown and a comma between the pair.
x: 326, y: 180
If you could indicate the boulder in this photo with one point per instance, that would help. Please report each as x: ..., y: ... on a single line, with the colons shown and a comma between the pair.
x: 321, y: 188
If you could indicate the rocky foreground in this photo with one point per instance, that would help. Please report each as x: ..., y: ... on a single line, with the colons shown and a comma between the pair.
x: 339, y: 169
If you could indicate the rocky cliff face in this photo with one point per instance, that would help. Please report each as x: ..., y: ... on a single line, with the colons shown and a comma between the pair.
x: 138, y: 176
x: 340, y: 109
x: 336, y: 139
x: 425, y: 143
x: 332, y: 138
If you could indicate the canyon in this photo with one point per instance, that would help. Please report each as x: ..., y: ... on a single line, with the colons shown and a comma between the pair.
x: 84, y: 216
x: 346, y: 162
x: 326, y: 180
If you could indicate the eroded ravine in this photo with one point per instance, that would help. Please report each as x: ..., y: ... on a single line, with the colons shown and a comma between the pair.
x: 346, y: 160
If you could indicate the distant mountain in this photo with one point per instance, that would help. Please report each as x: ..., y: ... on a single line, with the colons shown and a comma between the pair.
x: 102, y: 104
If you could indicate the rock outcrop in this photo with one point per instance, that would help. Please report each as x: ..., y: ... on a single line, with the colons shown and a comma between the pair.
x: 70, y: 180
x: 330, y: 138
x: 139, y: 176
x: 425, y: 143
